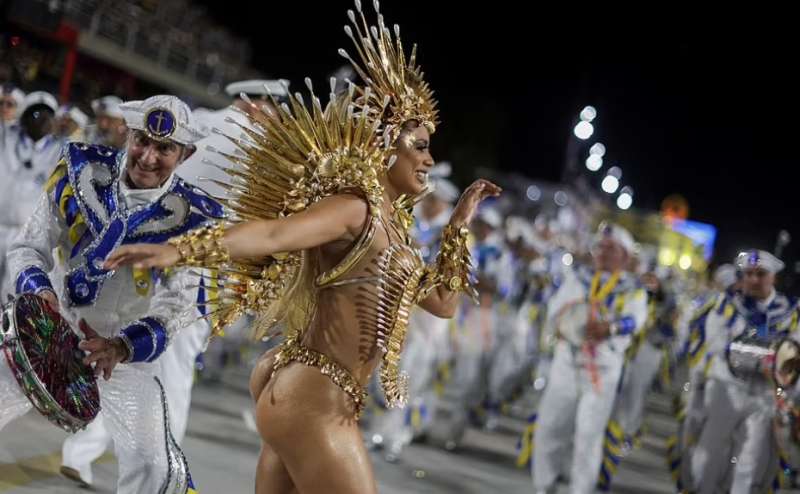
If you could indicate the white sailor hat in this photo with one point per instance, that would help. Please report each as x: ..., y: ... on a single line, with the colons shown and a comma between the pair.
x: 278, y: 88
x: 163, y: 117
x: 39, y: 98
x: 725, y: 275
x: 618, y: 234
x: 755, y: 258
x: 16, y: 94
x: 74, y: 113
x: 108, y: 105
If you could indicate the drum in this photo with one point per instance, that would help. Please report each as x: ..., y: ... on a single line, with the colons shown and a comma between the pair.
x: 570, y: 322
x: 42, y: 352
x: 787, y: 363
x: 757, y: 359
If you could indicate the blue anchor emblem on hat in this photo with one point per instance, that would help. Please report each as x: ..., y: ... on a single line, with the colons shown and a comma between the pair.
x: 160, y: 123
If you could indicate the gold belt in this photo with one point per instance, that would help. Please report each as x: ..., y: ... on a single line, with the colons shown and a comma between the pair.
x: 292, y: 351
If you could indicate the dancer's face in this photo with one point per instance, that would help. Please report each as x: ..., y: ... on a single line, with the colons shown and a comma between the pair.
x: 150, y: 162
x: 409, y: 174
x: 758, y: 283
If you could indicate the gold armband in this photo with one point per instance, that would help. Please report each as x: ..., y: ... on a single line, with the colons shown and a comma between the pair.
x: 202, y: 247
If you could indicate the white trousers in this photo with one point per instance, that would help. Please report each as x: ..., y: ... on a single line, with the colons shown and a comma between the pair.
x: 640, y: 373
x: 176, y: 365
x: 736, y: 444
x: 573, y: 415
x: 511, y: 358
x: 474, y: 343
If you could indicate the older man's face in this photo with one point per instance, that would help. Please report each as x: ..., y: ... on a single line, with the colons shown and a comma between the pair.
x: 112, y: 129
x: 151, y: 162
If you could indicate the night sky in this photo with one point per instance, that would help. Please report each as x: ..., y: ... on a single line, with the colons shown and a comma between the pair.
x: 707, y: 110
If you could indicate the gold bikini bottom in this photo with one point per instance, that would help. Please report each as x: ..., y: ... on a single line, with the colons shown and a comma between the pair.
x: 293, y: 351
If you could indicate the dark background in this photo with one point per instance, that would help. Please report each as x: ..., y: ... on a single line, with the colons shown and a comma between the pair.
x: 705, y: 109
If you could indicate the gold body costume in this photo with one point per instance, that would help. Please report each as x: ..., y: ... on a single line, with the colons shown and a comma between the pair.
x: 344, y: 306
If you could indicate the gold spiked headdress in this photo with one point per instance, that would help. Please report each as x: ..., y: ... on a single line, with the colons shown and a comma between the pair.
x: 391, y: 77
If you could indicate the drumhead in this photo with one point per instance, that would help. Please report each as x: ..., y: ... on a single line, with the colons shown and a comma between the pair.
x: 48, y: 352
x: 786, y: 370
x: 750, y: 358
x: 571, y: 320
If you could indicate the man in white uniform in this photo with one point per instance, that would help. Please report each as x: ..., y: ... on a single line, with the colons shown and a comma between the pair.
x: 691, y: 344
x: 515, y: 346
x: 737, y: 440
x: 475, y: 324
x: 129, y: 316
x: 11, y: 100
x: 109, y: 128
x: 28, y: 153
x: 647, y: 356
x: 71, y: 123
x: 596, y: 312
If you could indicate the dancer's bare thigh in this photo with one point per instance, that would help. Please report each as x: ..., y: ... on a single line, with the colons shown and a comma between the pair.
x: 308, y: 421
x: 272, y: 476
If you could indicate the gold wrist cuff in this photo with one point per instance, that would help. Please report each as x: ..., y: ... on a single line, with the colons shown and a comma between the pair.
x: 453, y: 264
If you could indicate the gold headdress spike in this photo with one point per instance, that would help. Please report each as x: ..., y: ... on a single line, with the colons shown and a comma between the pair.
x: 286, y: 161
x: 385, y: 70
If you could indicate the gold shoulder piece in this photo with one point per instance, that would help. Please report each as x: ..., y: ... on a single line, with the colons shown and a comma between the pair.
x: 286, y: 163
